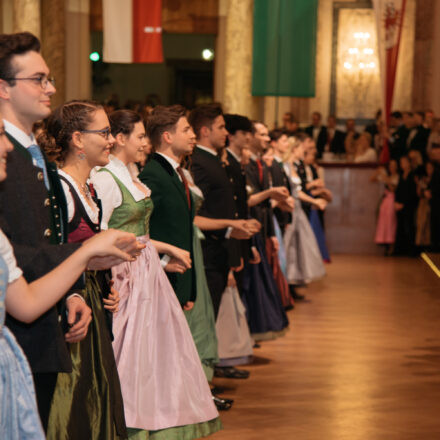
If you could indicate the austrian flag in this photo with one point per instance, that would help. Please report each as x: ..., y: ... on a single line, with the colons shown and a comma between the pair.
x: 132, y: 31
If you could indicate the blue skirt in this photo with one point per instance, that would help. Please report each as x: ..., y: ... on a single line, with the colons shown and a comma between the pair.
x: 261, y: 298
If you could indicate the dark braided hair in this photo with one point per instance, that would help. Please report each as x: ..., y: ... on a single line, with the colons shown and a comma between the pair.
x: 62, y: 123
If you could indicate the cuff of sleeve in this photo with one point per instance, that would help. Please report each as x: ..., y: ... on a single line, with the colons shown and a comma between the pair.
x: 228, y: 232
x: 75, y: 294
x: 164, y: 261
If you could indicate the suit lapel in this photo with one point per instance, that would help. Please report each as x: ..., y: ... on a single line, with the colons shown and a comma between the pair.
x: 19, y: 148
x: 174, y: 177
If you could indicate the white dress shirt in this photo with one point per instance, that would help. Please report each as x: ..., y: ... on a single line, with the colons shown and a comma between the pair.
x: 208, y: 150
x: 24, y: 139
x: 93, y: 213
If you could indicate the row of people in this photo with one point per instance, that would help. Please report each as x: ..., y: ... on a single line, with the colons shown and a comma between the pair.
x: 153, y: 307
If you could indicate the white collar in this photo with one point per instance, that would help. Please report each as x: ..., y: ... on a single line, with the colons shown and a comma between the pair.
x: 208, y: 150
x: 120, y: 170
x: 278, y: 159
x: 237, y: 158
x: 254, y: 157
x: 171, y: 161
x: 19, y: 135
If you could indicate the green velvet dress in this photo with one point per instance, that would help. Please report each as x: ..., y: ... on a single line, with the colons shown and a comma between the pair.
x: 201, y: 318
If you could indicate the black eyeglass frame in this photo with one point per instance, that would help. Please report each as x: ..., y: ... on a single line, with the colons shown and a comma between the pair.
x: 43, y: 80
x: 106, y: 132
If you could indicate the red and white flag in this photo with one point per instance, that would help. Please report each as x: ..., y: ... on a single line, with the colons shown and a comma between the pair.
x: 132, y: 31
x: 389, y: 21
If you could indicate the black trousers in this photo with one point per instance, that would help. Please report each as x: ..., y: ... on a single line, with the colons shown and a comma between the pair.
x: 216, y: 260
x: 44, y: 388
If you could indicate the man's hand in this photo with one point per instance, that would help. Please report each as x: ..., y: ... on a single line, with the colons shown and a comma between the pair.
x: 112, y: 302
x: 253, y: 226
x: 79, y: 317
x: 240, y: 231
x: 279, y: 193
x: 231, y: 280
x: 188, y: 306
x: 398, y: 206
x: 287, y: 205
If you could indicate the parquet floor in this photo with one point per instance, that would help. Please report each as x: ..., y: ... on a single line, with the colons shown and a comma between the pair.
x: 361, y: 360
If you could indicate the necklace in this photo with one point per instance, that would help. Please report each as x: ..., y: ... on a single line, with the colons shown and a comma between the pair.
x: 83, y: 187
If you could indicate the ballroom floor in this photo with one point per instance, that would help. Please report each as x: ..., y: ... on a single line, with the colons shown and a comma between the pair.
x: 361, y: 360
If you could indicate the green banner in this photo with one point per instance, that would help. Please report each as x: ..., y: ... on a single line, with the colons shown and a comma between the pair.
x: 284, y: 49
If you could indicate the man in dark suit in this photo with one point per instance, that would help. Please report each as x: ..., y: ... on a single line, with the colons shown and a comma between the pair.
x: 335, y: 138
x: 398, y: 135
x: 280, y: 144
x: 172, y: 219
x: 239, y: 135
x: 317, y: 132
x: 211, y: 177
x: 34, y: 214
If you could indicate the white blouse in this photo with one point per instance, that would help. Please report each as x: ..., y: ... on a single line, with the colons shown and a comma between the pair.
x: 108, y: 190
x: 93, y: 213
x: 7, y: 253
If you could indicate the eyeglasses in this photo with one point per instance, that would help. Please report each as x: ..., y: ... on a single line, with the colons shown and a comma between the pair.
x: 104, y: 132
x: 41, y: 80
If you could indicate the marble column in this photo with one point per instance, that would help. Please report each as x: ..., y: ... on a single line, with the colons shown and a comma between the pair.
x: 54, y: 45
x: 78, y: 64
x: 238, y: 59
x: 426, y: 88
x: 26, y: 16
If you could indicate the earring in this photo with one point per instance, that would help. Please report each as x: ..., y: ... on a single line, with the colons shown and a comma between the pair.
x: 81, y: 155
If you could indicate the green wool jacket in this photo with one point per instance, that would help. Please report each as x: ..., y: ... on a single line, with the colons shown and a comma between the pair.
x: 172, y: 219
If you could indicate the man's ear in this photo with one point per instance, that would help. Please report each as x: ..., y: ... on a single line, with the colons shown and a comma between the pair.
x: 4, y: 90
x: 167, y: 137
x: 204, y: 131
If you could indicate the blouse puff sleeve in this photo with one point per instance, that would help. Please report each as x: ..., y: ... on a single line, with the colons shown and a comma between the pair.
x: 7, y: 253
x: 109, y: 193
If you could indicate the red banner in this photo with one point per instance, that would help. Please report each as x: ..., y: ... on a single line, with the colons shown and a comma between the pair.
x: 147, y: 31
x: 389, y: 20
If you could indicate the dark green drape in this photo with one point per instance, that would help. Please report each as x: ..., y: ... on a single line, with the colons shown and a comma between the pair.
x: 284, y: 49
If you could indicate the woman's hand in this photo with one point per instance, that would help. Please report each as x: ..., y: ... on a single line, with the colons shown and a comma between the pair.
x: 112, y: 247
x: 182, y: 256
x: 321, y: 204
x: 112, y: 302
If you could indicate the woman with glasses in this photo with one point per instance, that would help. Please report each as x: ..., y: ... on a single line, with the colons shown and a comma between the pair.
x: 24, y: 302
x: 87, y: 403
x: 166, y: 394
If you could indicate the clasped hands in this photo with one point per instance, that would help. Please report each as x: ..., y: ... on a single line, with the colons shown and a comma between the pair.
x: 244, y: 229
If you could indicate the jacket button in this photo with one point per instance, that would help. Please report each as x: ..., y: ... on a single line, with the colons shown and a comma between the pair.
x: 46, y: 202
x: 55, y: 206
x: 236, y: 215
x: 235, y: 197
x: 231, y: 180
x: 40, y: 175
x: 47, y: 233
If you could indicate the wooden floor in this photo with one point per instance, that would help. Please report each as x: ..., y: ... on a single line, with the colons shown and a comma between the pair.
x: 361, y: 360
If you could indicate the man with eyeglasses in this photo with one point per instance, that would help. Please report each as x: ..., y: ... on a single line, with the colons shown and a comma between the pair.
x: 34, y: 214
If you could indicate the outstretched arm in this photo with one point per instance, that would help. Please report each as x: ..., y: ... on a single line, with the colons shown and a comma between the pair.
x: 26, y: 302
